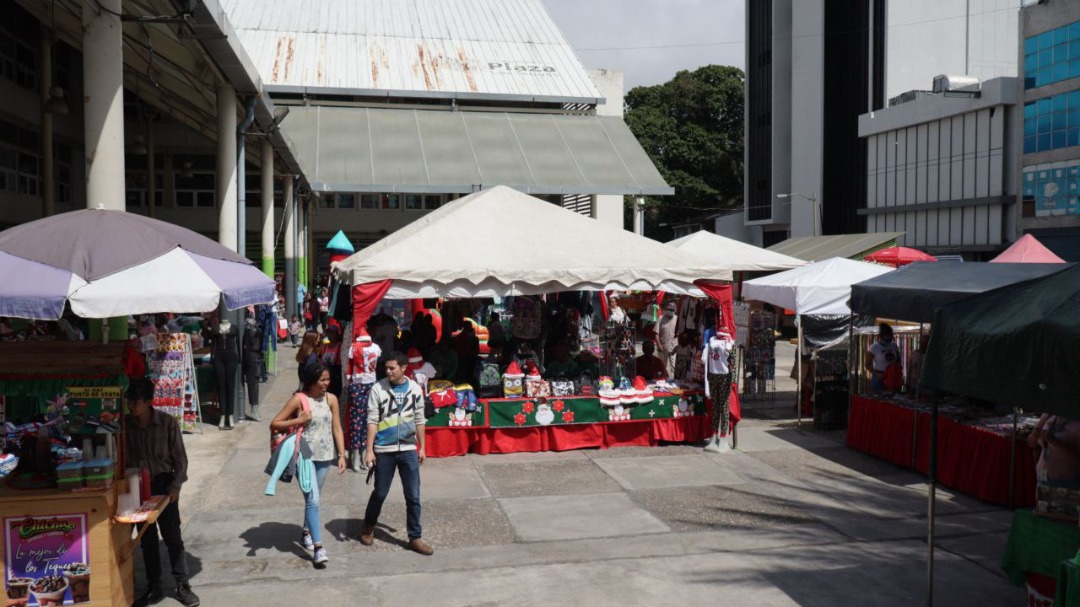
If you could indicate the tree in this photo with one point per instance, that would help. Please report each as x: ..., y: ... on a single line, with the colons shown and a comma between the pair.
x: 692, y: 129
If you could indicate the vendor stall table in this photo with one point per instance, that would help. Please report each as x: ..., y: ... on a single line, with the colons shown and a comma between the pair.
x: 47, y: 530
x: 1038, y: 546
x: 973, y: 459
x: 1068, y: 585
x: 504, y: 425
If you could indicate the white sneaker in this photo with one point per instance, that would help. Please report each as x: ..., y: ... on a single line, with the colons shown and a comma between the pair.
x: 712, y: 447
x: 306, y: 541
x: 320, y: 556
x: 723, y: 447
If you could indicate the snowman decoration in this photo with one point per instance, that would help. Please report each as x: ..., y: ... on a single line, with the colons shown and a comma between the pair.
x: 544, y: 414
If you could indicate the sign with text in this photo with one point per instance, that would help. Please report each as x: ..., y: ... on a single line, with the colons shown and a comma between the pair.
x: 46, y: 559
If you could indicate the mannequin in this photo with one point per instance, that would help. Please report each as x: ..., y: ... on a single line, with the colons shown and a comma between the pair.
x: 225, y: 355
x: 717, y: 359
x: 363, y: 359
x: 252, y: 364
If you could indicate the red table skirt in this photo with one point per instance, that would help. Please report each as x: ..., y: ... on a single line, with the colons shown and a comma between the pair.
x: 971, y: 459
x: 446, y: 442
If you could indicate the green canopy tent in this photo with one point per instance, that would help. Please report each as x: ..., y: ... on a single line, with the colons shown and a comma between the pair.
x: 1019, y: 344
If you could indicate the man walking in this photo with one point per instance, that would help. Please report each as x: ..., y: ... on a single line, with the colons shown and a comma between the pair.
x: 395, y: 433
x: 154, y: 442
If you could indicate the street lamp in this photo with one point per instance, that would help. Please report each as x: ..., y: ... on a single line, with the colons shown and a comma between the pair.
x: 812, y: 197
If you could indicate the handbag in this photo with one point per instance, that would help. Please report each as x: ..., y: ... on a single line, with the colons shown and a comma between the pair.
x: 562, y: 387
x: 277, y: 437
x: 585, y: 385
x: 537, y: 389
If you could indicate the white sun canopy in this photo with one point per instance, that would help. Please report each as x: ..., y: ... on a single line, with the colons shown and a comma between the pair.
x: 501, y: 242
x: 734, y: 255
x: 823, y: 287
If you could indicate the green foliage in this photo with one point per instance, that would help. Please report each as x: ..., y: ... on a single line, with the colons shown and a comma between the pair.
x: 692, y: 129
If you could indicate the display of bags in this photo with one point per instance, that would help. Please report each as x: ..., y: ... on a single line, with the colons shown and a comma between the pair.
x: 585, y: 385
x: 489, y: 381
x: 526, y: 323
x: 562, y: 387
x: 537, y: 388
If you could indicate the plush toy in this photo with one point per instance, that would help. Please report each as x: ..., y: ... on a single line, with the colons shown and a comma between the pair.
x: 609, y: 396
x: 513, y: 386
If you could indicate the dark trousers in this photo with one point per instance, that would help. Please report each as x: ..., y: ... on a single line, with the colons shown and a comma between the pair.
x: 251, y: 378
x: 225, y: 365
x: 168, y: 524
x: 407, y: 464
x: 720, y: 391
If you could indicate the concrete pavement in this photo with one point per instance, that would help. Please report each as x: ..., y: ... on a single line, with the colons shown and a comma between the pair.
x: 790, y: 518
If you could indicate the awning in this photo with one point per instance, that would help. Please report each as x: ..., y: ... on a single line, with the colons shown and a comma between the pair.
x: 345, y: 149
x: 848, y: 246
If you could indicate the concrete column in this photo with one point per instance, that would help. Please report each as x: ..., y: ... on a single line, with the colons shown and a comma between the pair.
x: 48, y: 179
x: 103, y: 104
x: 639, y: 215
x: 301, y: 242
x: 226, y: 166
x: 608, y: 210
x: 290, y: 246
x: 266, y: 174
x: 151, y: 172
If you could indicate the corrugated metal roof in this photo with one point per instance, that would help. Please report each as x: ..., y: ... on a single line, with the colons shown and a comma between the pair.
x: 848, y: 246
x: 345, y: 149
x: 464, y: 48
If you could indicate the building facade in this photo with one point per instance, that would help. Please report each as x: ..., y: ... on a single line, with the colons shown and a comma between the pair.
x: 1049, y: 89
x: 941, y: 168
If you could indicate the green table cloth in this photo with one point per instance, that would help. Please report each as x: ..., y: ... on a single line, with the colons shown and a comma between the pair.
x: 1038, y: 545
x: 1068, y: 585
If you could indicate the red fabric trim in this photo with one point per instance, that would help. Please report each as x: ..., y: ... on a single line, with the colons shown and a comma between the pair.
x: 448, y: 442
x: 605, y: 311
x: 722, y: 294
x: 971, y: 459
x: 365, y: 298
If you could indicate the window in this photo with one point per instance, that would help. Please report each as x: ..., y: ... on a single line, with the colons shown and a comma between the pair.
x: 391, y: 201
x: 198, y: 190
x: 1055, y: 191
x: 63, y: 172
x: 346, y: 201
x: 1052, y: 123
x: 136, y: 188
x: 327, y: 201
x: 369, y: 201
x: 1052, y: 56
x: 18, y: 61
x: 414, y: 202
x: 432, y: 201
x: 20, y: 160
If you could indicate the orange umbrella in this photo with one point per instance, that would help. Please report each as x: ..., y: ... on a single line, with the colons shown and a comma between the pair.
x: 898, y: 256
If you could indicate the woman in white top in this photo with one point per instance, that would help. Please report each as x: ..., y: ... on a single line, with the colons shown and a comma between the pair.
x: 322, y: 432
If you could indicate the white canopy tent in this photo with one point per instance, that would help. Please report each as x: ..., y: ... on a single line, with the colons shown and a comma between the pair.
x: 736, y: 256
x: 500, y: 242
x: 823, y: 287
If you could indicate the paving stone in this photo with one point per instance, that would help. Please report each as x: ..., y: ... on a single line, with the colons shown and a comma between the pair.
x: 562, y: 477
x: 712, y: 508
x: 560, y: 517
x: 658, y: 451
x: 667, y: 471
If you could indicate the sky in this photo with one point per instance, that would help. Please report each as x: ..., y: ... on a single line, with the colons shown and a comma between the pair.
x: 650, y: 40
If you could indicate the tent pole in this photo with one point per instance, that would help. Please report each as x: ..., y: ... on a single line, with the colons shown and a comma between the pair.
x: 915, y: 415
x: 1012, y: 459
x: 851, y: 359
x: 931, y: 504
x: 799, y: 388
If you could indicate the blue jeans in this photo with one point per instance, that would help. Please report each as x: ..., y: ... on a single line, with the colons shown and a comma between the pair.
x: 311, y: 502
x: 407, y: 465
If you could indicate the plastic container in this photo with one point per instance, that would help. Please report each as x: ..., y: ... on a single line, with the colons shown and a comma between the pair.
x: 98, y: 467
x: 103, y: 481
x: 67, y: 484
x: 69, y: 471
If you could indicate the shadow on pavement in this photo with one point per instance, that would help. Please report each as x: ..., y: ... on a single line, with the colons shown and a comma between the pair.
x: 282, y: 537
x: 348, y: 530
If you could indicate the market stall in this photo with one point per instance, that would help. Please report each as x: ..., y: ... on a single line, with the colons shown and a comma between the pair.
x: 500, y: 242
x: 66, y: 506
x: 1041, y: 319
x: 980, y: 451
x: 820, y: 288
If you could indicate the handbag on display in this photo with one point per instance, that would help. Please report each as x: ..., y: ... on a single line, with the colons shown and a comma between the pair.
x: 537, y: 388
x: 585, y: 385
x: 562, y: 387
x: 443, y: 398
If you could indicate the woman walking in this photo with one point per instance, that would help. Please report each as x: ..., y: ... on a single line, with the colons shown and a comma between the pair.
x: 315, y: 411
x: 308, y: 354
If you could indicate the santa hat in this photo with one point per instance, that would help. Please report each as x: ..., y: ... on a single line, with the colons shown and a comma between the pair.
x: 363, y: 337
x: 534, y: 372
x: 415, y: 356
x: 513, y: 371
x: 644, y: 394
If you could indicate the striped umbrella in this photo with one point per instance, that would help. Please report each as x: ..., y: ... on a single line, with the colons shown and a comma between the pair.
x: 112, y: 263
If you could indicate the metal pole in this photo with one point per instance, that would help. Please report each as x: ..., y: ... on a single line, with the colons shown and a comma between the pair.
x: 151, y: 172
x: 852, y: 348
x: 48, y: 180
x: 266, y: 178
x: 931, y: 507
x: 798, y: 388
x: 1012, y: 458
x: 915, y: 414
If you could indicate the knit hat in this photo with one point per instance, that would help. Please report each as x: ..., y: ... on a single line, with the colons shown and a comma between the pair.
x: 513, y: 371
x: 363, y: 337
x: 534, y: 372
x: 415, y: 356
x: 644, y: 394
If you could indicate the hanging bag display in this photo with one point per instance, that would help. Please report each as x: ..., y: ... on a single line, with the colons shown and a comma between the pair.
x: 526, y: 321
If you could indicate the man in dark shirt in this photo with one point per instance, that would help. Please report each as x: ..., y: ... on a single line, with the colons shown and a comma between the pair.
x: 154, y: 441
x: 649, y: 366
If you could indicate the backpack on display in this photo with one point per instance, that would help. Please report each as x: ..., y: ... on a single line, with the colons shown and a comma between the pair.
x: 489, y: 381
x: 586, y: 385
x: 526, y: 321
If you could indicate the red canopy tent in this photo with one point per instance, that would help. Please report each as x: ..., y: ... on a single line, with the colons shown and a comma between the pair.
x: 898, y: 256
x: 1027, y: 250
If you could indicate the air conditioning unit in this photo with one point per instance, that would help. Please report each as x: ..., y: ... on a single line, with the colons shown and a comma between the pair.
x: 947, y: 82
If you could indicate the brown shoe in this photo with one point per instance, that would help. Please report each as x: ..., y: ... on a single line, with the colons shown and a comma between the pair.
x: 367, y: 535
x: 420, y: 547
